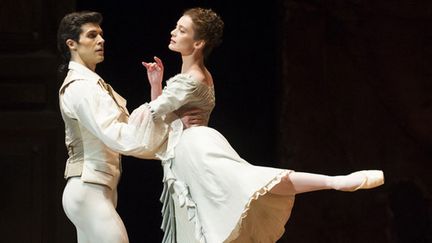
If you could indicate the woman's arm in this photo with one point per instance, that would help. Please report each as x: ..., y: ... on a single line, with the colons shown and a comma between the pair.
x: 155, y: 75
x: 155, y: 72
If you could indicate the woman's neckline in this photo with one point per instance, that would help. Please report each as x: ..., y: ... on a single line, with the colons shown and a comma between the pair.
x: 189, y: 76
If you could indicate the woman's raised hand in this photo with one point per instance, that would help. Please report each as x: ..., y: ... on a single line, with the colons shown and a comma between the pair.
x: 154, y: 71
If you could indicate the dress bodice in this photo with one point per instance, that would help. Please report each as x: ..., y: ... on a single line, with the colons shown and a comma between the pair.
x: 203, y: 96
x: 182, y: 92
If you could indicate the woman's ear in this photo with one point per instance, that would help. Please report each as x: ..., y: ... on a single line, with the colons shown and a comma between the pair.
x: 199, y: 44
x: 71, y: 44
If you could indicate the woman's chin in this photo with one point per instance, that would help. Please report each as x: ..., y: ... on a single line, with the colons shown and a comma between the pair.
x: 172, y: 48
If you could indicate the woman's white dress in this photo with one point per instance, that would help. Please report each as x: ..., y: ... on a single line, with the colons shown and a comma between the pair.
x: 212, y: 195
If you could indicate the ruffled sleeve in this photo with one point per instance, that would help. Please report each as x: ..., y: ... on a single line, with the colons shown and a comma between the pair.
x: 153, y: 133
x: 179, y: 90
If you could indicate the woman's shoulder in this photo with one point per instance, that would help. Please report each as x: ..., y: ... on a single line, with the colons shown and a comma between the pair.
x: 196, y: 75
x: 194, y: 78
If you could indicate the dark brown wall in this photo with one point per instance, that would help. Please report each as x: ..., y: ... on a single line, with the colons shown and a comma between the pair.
x: 32, y: 136
x: 356, y: 94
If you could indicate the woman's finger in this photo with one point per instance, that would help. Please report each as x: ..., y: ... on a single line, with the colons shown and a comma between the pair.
x: 145, y: 64
x: 158, y: 61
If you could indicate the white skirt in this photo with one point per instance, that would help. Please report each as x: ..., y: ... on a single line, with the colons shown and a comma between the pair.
x: 219, y: 197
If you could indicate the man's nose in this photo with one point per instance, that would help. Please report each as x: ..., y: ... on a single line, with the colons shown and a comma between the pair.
x: 101, y: 40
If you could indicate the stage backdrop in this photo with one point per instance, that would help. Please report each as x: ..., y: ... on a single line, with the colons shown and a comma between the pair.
x: 325, y: 87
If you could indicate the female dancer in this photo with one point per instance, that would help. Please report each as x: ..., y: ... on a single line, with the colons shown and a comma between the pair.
x: 210, y: 193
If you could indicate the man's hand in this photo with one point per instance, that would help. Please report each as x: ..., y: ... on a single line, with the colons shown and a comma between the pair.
x: 191, y: 118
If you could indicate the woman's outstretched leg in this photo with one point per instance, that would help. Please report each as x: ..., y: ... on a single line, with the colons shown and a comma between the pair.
x: 300, y: 182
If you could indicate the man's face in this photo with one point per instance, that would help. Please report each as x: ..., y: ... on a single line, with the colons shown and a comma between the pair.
x: 89, y: 50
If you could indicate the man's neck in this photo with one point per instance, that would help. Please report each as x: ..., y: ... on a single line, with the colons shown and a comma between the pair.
x: 87, y: 65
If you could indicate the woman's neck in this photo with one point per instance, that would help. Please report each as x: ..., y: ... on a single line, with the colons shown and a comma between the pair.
x: 190, y: 62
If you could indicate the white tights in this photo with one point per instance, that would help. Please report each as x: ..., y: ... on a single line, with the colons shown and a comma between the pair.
x: 301, y: 182
x: 91, y: 208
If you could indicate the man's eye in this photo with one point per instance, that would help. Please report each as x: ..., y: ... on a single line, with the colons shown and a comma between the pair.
x: 92, y: 35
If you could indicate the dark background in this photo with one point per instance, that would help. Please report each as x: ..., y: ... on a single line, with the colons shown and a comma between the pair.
x: 324, y: 87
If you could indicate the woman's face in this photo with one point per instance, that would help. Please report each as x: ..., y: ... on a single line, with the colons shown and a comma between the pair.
x: 182, y: 36
x: 89, y: 50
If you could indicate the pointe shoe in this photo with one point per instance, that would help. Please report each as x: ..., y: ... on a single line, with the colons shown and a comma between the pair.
x: 372, y: 179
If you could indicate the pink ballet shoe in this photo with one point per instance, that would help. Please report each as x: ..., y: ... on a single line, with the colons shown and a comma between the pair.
x: 372, y: 179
